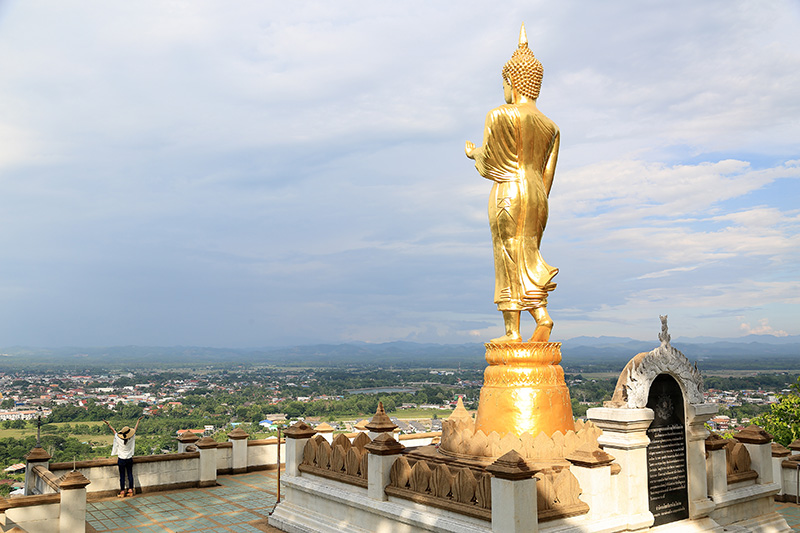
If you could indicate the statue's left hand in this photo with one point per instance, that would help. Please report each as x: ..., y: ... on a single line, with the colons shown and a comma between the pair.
x: 469, y: 148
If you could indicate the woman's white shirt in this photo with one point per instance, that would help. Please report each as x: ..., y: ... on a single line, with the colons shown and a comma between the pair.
x: 122, y: 449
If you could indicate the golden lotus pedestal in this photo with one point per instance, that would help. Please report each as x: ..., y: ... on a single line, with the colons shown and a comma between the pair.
x: 524, y: 390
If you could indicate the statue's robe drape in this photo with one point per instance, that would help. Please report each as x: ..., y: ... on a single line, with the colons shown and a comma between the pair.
x: 519, y: 153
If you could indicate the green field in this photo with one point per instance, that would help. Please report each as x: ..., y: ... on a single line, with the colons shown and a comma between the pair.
x: 420, y: 413
x: 102, y: 439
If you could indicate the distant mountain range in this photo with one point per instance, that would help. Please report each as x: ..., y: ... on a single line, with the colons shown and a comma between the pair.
x: 747, y: 339
x: 749, y: 352
x: 752, y: 351
x: 765, y: 339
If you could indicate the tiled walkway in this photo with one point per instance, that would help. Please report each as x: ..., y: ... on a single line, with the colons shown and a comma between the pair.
x: 240, y: 503
x: 791, y: 513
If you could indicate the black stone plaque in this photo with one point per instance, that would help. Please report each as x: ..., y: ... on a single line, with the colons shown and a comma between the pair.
x: 666, y: 453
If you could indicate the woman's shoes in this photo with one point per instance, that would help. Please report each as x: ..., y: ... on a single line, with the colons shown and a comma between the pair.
x: 130, y: 492
x: 121, y: 494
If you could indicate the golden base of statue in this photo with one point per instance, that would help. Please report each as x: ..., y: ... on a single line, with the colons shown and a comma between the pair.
x: 524, y: 390
x: 524, y: 406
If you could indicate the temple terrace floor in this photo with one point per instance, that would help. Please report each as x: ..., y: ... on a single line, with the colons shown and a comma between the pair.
x: 239, y: 503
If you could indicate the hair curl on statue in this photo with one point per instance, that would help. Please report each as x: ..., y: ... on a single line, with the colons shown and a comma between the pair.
x: 523, y: 71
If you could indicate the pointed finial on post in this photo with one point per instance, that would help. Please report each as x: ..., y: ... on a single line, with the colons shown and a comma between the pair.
x: 664, y: 336
x: 523, y: 37
x: 39, y: 427
x: 381, y: 423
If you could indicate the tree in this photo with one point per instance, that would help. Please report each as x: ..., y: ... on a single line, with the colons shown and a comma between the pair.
x: 578, y: 409
x: 130, y: 411
x: 783, y: 418
x: 124, y: 381
x: 254, y: 414
x: 294, y: 409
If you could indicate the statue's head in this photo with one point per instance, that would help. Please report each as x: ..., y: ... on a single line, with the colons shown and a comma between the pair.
x: 523, y: 71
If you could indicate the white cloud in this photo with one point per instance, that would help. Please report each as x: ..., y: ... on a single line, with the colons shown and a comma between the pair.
x: 671, y: 214
x: 762, y: 329
x: 666, y: 272
x: 302, y: 163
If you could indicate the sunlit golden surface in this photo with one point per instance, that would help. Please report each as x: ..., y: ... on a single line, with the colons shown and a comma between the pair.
x: 524, y: 390
x: 519, y: 154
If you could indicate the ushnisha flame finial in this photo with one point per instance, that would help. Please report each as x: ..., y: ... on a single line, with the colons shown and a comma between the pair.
x: 523, y: 37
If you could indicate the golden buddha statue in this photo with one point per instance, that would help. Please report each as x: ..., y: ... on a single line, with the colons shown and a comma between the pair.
x: 519, y: 153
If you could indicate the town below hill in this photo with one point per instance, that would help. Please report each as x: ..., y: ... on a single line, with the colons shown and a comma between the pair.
x: 71, y: 405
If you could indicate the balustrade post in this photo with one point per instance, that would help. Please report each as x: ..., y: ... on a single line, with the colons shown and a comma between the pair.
x: 514, y: 499
x: 72, y: 515
x: 238, y: 439
x: 296, y: 438
x: 716, y: 467
x: 186, y: 439
x: 592, y: 468
x: 36, y: 457
x: 625, y: 437
x: 208, y: 462
x: 383, y: 452
x: 759, y: 445
x: 696, y: 464
x: 779, y: 454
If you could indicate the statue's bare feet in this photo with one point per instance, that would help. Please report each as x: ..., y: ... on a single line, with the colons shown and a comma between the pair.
x: 544, y: 325
x: 511, y: 324
x: 505, y: 339
x: 542, y: 333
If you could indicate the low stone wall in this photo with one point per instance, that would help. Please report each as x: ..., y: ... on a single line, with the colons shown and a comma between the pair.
x: 788, y: 470
x: 36, y: 514
x: 263, y: 454
x: 44, y: 481
x: 150, y: 472
x: 178, y: 470
x: 163, y: 472
x: 64, y: 510
x: 419, y: 439
x: 225, y: 458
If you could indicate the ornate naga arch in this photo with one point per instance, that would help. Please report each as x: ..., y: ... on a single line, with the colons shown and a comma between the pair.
x: 634, y: 382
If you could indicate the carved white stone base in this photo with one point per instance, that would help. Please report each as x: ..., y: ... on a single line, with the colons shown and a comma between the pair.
x: 742, y: 504
x: 319, y: 505
x: 688, y: 526
x: 772, y: 523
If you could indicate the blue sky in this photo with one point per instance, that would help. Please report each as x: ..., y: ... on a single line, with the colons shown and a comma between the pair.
x: 268, y: 173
